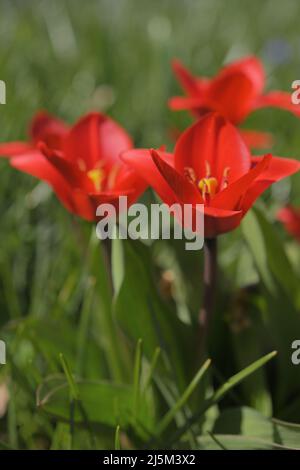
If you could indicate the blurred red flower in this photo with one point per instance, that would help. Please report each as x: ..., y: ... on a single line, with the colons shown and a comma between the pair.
x: 211, y: 166
x: 234, y: 92
x: 81, y: 163
x: 290, y: 217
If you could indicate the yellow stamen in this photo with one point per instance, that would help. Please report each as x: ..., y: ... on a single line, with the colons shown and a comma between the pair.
x: 208, y: 186
x: 96, y: 175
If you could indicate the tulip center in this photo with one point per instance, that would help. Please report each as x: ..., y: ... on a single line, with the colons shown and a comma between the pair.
x: 96, y: 176
x: 209, y: 185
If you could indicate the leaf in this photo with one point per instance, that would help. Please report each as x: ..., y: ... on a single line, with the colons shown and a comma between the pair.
x: 254, y: 237
x: 184, y: 397
x: 269, y: 254
x: 103, y: 402
x: 251, y: 424
x: 232, y: 442
x: 142, y: 314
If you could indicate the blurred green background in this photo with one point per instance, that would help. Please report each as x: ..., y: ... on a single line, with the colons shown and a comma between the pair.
x: 114, y: 56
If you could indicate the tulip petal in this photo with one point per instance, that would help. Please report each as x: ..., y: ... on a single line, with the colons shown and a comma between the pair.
x: 178, y: 103
x: 96, y: 140
x: 181, y: 186
x: 35, y: 164
x: 188, y: 82
x: 233, y: 91
x: 231, y: 197
x: 47, y: 128
x: 277, y: 99
x: 277, y: 169
x: 290, y: 217
x: 71, y: 173
x: 215, y: 141
x: 218, y: 221
x: 86, y: 204
x: 141, y: 161
x: 11, y: 149
x: 257, y: 139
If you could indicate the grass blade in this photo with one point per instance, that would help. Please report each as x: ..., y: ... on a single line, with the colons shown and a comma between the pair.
x: 117, y: 439
x: 137, y: 376
x: 184, y: 397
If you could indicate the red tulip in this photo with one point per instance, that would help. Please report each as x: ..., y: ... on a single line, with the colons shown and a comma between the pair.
x: 81, y: 163
x: 290, y: 217
x: 211, y: 166
x: 235, y: 92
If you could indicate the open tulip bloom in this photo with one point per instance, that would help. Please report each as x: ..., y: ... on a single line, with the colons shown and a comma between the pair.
x: 235, y: 92
x: 212, y: 166
x: 81, y: 163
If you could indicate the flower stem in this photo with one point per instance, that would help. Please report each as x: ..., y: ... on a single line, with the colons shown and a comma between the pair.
x: 209, y: 291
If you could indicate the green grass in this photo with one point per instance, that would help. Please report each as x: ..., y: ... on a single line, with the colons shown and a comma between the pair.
x: 77, y: 373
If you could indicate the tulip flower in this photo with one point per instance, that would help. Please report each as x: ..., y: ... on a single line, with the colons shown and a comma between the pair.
x: 81, y: 163
x: 235, y: 92
x: 290, y: 218
x: 211, y: 165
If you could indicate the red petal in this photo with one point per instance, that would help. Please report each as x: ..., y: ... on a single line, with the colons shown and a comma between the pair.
x: 231, y: 197
x: 235, y: 89
x: 178, y: 103
x: 277, y: 99
x: 86, y: 204
x: 48, y: 129
x: 278, y: 168
x: 290, y: 217
x: 11, y: 149
x: 141, y: 161
x: 257, y: 139
x: 181, y: 186
x: 36, y: 164
x: 96, y: 139
x: 188, y: 82
x: 218, y: 221
x: 71, y: 173
x: 128, y: 180
x: 216, y: 141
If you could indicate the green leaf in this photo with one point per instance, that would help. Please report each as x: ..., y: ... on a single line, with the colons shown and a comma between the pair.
x: 183, y: 399
x: 232, y: 442
x: 103, y: 402
x: 254, y: 237
x: 251, y: 424
x: 142, y: 314
x: 269, y: 254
